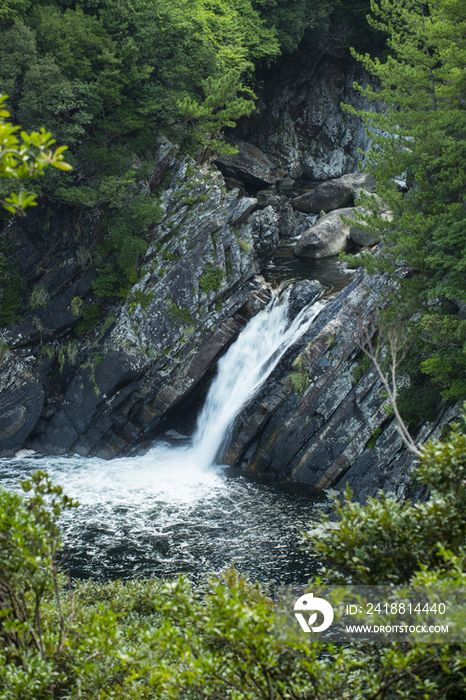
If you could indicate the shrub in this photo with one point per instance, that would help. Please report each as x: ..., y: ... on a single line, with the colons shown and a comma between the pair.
x: 211, y: 280
x: 90, y: 318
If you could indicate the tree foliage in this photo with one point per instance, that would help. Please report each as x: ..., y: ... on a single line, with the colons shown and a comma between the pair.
x: 25, y: 158
x: 419, y: 135
x: 147, y: 639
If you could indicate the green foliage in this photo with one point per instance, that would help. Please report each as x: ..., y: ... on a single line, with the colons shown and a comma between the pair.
x: 211, y: 280
x: 124, y: 246
x: 300, y: 378
x: 179, y: 315
x: 371, y: 442
x: 76, y: 305
x: 29, y: 642
x: 102, y: 71
x: 388, y: 541
x: 292, y: 18
x: 139, y: 297
x: 89, y: 319
x: 421, y: 136
x: 226, y: 99
x: 24, y: 158
x: 143, y: 298
x: 361, y: 368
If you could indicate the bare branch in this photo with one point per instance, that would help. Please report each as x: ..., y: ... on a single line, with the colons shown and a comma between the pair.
x: 399, y: 347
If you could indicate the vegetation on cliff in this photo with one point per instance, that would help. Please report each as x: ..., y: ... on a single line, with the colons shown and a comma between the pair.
x: 107, y: 78
x: 419, y: 136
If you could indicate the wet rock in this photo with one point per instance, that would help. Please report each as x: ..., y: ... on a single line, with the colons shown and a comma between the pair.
x: 262, y: 227
x: 328, y: 196
x: 21, y: 401
x: 337, y: 430
x: 302, y: 294
x: 291, y: 223
x: 328, y: 237
x: 250, y: 165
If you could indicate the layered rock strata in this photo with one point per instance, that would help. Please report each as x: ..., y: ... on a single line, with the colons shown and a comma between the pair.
x: 101, y: 393
x: 321, y: 420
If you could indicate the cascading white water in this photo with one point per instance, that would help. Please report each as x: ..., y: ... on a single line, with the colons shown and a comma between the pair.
x: 243, y: 369
x: 166, y: 511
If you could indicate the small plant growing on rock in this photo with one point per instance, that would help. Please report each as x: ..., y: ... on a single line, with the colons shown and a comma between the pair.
x: 373, y: 439
x: 4, y: 349
x: 211, y: 280
x: 90, y: 318
x: 76, y: 305
x: 244, y: 245
x: 39, y: 297
x: 300, y: 378
x: 179, y: 315
x: 360, y: 369
x: 139, y: 298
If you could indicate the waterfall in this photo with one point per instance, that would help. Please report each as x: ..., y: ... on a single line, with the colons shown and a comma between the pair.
x: 241, y: 372
x: 165, y: 511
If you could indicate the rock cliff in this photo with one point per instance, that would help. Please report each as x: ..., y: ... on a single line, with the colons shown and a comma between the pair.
x: 141, y: 365
x: 321, y: 419
x: 100, y: 393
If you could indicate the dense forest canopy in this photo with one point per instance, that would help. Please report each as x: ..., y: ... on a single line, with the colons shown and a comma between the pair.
x: 109, y: 74
x: 107, y: 77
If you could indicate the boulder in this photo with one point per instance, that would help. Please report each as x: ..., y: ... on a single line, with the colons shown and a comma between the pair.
x: 359, y: 181
x: 262, y: 229
x: 328, y: 196
x: 20, y: 408
x: 360, y: 234
x: 250, y: 165
x: 302, y: 294
x: 327, y: 237
x: 287, y: 184
x: 365, y: 238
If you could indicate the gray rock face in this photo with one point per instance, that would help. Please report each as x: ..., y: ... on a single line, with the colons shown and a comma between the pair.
x: 103, y: 393
x: 262, y: 227
x: 322, y: 437
x: 21, y: 402
x: 250, y: 165
x: 300, y: 124
x: 328, y: 236
x: 291, y: 223
x: 269, y: 198
x: 302, y: 294
x: 328, y: 196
